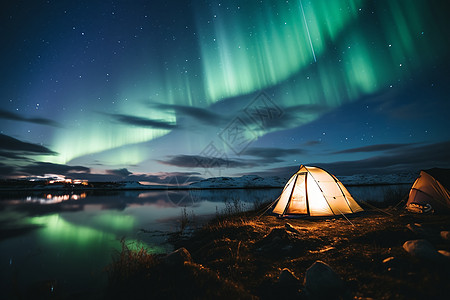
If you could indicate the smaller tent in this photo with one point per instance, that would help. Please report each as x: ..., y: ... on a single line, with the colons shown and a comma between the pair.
x: 430, y: 192
x: 313, y: 191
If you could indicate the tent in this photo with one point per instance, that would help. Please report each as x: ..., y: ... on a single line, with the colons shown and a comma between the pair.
x: 313, y: 191
x: 430, y: 192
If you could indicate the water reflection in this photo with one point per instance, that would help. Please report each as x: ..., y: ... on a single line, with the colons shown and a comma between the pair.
x: 70, y: 237
x: 379, y: 193
x: 52, y: 198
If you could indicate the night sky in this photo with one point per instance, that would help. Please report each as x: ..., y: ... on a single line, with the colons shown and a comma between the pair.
x: 175, y: 91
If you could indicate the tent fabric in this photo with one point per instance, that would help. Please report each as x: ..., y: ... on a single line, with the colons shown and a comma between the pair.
x: 313, y: 191
x: 430, y: 190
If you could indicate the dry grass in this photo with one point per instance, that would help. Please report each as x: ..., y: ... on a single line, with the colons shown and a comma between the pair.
x: 138, y: 274
x: 238, y: 248
x: 128, y: 264
x: 240, y: 255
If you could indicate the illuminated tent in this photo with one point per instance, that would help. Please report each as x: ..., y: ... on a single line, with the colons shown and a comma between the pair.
x: 430, y: 191
x: 313, y: 191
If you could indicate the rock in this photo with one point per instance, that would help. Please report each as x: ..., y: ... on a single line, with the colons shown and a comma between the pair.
x: 421, y: 249
x: 278, y: 239
x: 445, y: 235
x: 177, y: 257
x: 287, y: 286
x: 445, y: 253
x: 278, y: 234
x: 287, y: 277
x: 322, y: 282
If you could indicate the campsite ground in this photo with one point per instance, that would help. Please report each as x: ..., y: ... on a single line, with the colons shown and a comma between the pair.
x: 241, y: 255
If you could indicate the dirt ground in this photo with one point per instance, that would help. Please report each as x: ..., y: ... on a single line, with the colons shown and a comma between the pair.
x: 241, y: 256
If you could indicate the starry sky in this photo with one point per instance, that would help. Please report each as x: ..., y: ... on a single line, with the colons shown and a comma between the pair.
x: 175, y: 91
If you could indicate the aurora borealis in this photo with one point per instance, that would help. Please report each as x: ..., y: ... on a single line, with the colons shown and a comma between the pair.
x: 148, y: 90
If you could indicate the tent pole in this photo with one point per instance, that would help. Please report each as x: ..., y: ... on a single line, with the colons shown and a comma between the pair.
x: 290, y: 196
x: 320, y: 189
x: 306, y: 195
x: 337, y: 181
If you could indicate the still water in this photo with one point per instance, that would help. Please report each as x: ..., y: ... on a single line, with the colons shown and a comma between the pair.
x: 64, y: 241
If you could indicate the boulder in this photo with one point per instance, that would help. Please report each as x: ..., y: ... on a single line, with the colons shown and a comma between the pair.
x: 177, y: 257
x: 322, y: 282
x: 422, y: 249
x: 287, y: 277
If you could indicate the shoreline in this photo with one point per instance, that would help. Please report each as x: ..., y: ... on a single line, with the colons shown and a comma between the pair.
x: 245, y: 255
x: 106, y: 189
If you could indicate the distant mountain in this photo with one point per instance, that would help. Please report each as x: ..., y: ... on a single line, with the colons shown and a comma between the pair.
x: 246, y: 181
x: 255, y: 181
x: 370, y: 179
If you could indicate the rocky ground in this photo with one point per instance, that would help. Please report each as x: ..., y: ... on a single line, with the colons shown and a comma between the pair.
x: 374, y: 255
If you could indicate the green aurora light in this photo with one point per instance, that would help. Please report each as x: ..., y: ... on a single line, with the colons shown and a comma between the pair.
x: 238, y: 50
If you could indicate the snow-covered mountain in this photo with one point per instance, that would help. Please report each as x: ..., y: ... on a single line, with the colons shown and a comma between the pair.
x: 246, y: 181
x: 255, y: 181
x: 362, y: 179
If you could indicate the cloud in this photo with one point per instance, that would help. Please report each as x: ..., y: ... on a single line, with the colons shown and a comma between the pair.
x: 263, y: 156
x: 123, y: 173
x: 42, y: 168
x: 266, y: 116
x: 7, y: 115
x: 283, y: 172
x: 202, y: 115
x: 289, y: 117
x: 271, y: 155
x: 6, y: 171
x: 374, y: 148
x: 169, y: 178
x: 142, y: 122
x: 406, y: 106
x: 312, y: 143
x: 198, y: 161
x: 8, y: 143
x: 397, y: 160
x: 309, y: 109
x: 12, y: 155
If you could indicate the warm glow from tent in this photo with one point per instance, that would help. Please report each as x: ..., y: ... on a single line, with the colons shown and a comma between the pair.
x: 315, y: 192
x: 317, y: 204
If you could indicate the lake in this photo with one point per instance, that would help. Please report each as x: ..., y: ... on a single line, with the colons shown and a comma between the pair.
x: 62, y: 242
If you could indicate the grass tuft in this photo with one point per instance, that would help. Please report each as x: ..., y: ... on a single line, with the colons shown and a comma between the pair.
x: 128, y: 264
